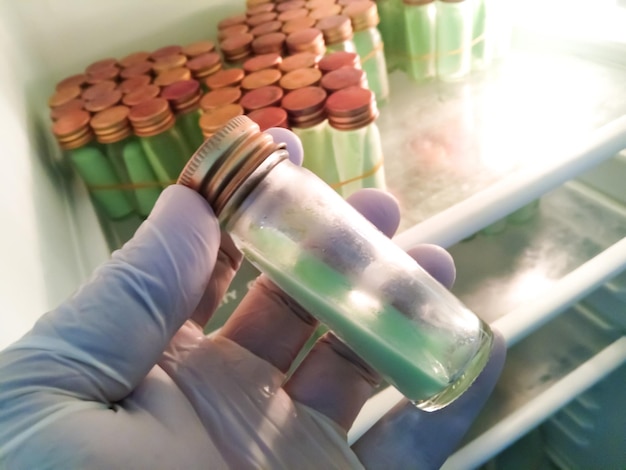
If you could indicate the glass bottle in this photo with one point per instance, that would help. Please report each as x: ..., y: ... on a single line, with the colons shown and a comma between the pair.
x: 165, y: 51
x: 252, y: 10
x: 297, y: 24
x: 76, y: 139
x: 454, y: 38
x: 214, y: 120
x: 289, y: 15
x: 343, y: 77
x: 262, y: 97
x: 300, y: 78
x: 420, y: 17
x: 369, y: 46
x: 172, y: 76
x: 306, y: 40
x: 307, y: 118
x: 272, y: 116
x: 337, y: 31
x: 133, y: 58
x: 234, y: 30
x: 334, y: 263
x: 78, y: 79
x: 220, y: 97
x: 141, y: 94
x: 131, y: 84
x: 64, y: 95
x: 325, y: 11
x: 271, y: 60
x: 393, y: 32
x: 225, y: 78
x: 114, y: 132
x: 204, y: 65
x: 266, y: 28
x: 483, y: 33
x: 290, y: 5
x: 103, y: 101
x: 255, y: 20
x: 138, y: 68
x: 231, y: 21
x: 355, y: 139
x: 236, y: 49
x: 154, y: 124
x: 262, y: 78
x: 268, y: 43
x: 300, y: 60
x: 336, y: 60
x: 184, y: 98
x: 169, y: 62
x: 197, y: 48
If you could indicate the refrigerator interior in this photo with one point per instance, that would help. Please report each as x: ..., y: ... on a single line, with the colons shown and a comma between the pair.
x: 519, y: 165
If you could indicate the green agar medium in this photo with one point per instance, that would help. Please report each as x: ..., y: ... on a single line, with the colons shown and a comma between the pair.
x: 167, y: 153
x: 420, y: 26
x: 384, y: 337
x: 318, y: 152
x: 373, y: 172
x: 189, y: 127
x: 369, y: 47
x: 102, y: 181
x: 454, y: 39
x: 141, y: 175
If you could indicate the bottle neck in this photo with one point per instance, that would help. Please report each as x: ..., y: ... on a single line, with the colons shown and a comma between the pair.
x: 227, y: 167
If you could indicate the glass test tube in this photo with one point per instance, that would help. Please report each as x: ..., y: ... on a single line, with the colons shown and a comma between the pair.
x: 454, y: 38
x: 420, y: 17
x: 76, y: 139
x: 307, y: 117
x: 114, y: 132
x: 355, y: 139
x: 332, y: 261
x: 369, y: 46
x: 166, y: 149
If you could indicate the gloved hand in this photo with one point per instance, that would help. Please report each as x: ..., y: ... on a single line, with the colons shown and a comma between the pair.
x: 122, y: 376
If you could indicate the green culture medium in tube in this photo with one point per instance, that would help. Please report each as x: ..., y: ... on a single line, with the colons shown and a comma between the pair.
x: 77, y: 140
x: 184, y: 98
x: 167, y: 151
x: 420, y: 20
x: 114, y: 132
x: 337, y: 31
x: 332, y: 261
x: 307, y: 117
x: 355, y: 139
x: 369, y: 46
x: 454, y: 38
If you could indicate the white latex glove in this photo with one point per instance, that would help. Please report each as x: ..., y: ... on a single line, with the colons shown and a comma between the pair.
x: 121, y: 375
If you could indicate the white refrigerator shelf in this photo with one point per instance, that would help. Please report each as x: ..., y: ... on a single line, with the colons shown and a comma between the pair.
x: 572, y: 248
